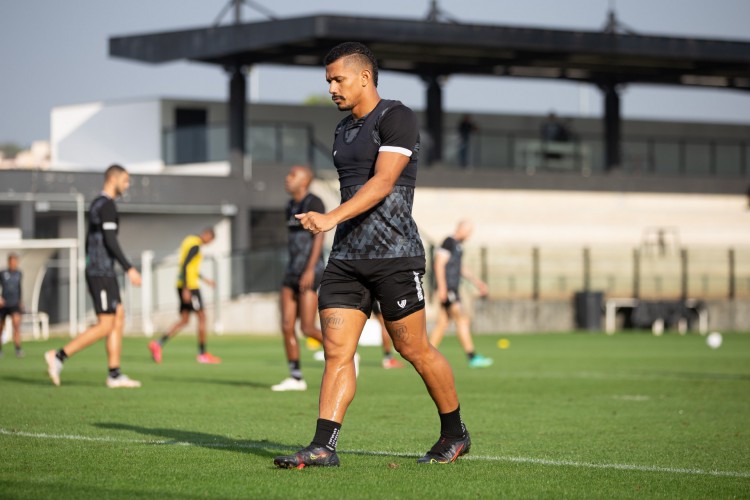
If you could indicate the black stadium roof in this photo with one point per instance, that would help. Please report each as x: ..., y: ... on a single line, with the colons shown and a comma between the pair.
x: 425, y: 47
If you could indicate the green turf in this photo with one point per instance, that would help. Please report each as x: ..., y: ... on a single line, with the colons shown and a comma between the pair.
x: 554, y: 417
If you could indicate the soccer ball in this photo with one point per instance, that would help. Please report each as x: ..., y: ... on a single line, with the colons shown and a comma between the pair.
x: 714, y: 340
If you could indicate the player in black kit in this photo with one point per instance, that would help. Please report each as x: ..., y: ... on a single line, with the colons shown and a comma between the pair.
x: 11, y: 303
x: 449, y: 270
x: 299, y: 290
x: 102, y: 250
x: 377, y: 253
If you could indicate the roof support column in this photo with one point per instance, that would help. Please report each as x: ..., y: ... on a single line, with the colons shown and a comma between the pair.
x: 612, y: 126
x: 434, y: 120
x: 236, y: 112
x: 237, y: 150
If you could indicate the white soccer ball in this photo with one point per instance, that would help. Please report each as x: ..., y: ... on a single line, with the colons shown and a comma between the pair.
x: 714, y: 340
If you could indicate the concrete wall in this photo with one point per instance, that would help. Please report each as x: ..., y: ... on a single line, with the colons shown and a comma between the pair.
x: 528, y: 316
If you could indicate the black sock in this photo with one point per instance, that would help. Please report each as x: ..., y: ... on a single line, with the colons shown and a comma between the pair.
x: 387, y: 355
x: 163, y: 340
x: 114, y: 372
x: 451, y: 425
x: 471, y: 355
x: 327, y: 433
x: 294, y: 369
x: 61, y: 356
x: 202, y: 348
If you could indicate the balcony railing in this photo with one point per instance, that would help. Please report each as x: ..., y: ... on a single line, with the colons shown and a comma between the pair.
x: 289, y: 143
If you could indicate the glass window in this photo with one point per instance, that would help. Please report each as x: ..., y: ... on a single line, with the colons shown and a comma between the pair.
x: 666, y: 157
x: 728, y: 159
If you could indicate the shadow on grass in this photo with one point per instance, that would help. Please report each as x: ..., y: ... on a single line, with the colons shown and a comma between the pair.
x: 46, y: 381
x: 207, y: 380
x: 263, y: 448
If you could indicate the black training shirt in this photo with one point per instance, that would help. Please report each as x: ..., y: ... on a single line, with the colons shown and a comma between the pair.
x: 102, y: 247
x: 300, y: 241
x: 452, y: 247
x: 11, y: 283
x: 387, y: 230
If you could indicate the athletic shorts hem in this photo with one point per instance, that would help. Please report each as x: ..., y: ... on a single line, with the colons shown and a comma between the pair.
x: 405, y: 312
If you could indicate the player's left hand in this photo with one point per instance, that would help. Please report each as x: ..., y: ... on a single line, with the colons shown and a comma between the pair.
x: 316, y: 222
x: 306, y: 280
x: 483, y: 289
x: 209, y: 282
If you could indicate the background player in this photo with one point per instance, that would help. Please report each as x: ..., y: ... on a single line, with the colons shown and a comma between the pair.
x: 11, y: 302
x: 299, y: 289
x: 377, y: 254
x: 189, y: 294
x: 389, y: 362
x: 449, y: 270
x: 102, y: 249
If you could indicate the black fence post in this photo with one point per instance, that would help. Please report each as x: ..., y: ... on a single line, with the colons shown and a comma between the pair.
x: 586, y: 269
x: 636, y: 273
x: 732, y: 275
x: 684, y: 273
x: 535, y: 273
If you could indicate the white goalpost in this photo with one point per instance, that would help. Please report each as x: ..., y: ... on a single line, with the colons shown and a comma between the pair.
x: 34, y: 256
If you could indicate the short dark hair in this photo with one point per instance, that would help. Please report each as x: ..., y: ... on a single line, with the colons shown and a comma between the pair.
x: 114, y: 169
x: 354, y: 49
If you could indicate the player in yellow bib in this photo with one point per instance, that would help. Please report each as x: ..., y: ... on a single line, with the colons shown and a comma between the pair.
x: 189, y: 293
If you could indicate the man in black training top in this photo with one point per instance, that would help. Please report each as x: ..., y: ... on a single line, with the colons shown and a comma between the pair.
x: 449, y: 269
x: 377, y: 253
x: 11, y: 303
x: 299, y: 289
x: 102, y: 250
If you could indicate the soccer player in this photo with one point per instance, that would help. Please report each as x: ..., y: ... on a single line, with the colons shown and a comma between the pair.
x: 299, y: 289
x: 11, y: 303
x: 189, y: 294
x: 377, y: 254
x: 102, y: 250
x: 449, y: 270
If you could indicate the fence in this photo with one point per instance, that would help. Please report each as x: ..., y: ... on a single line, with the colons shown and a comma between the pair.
x: 543, y: 273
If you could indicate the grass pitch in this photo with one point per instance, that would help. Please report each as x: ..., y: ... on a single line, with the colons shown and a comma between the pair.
x: 568, y: 415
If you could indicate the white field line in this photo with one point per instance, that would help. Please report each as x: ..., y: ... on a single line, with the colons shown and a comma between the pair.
x: 488, y: 458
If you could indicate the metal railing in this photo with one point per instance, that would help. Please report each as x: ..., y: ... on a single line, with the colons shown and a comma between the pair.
x: 289, y: 143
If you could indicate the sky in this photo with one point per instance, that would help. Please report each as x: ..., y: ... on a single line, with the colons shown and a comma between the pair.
x: 54, y: 52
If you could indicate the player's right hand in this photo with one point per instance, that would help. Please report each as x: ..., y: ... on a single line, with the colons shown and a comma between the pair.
x: 186, y: 295
x: 316, y: 222
x: 2, y: 302
x: 134, y: 276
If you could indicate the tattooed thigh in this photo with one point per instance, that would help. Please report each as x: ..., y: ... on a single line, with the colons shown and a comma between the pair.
x: 398, y: 330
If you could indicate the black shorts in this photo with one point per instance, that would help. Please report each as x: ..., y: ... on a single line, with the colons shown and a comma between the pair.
x: 105, y: 293
x: 9, y: 311
x: 376, y: 307
x: 354, y: 284
x: 194, y: 304
x: 453, y: 298
x: 291, y: 280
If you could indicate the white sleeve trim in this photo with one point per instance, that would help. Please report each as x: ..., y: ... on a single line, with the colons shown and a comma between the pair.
x: 444, y: 251
x: 396, y: 149
x: 109, y: 226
